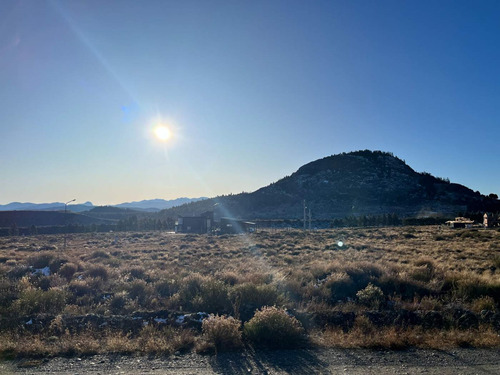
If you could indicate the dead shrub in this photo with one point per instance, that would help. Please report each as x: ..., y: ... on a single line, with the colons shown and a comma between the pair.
x: 222, y: 332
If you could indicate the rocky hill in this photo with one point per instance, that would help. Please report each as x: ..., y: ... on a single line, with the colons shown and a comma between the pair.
x: 355, y: 183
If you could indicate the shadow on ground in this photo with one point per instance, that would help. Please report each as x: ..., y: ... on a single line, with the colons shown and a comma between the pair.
x: 262, y: 362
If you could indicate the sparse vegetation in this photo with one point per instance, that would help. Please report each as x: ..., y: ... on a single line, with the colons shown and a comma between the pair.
x: 386, y: 287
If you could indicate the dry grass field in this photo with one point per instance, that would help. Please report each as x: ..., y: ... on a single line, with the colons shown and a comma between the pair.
x: 139, y: 292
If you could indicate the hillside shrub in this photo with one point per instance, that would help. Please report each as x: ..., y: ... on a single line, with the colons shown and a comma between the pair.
x: 340, y: 286
x: 372, y: 296
x: 9, y: 291
x: 80, y: 288
x: 364, y: 273
x: 166, y: 288
x: 483, y: 303
x: 248, y: 297
x: 424, y: 270
x: 213, y: 297
x: 35, y: 301
x: 117, y: 303
x: 138, y: 273
x: 222, y: 332
x: 56, y: 264
x: 99, y: 254
x: 403, y: 287
x: 496, y: 261
x: 203, y: 293
x: 98, y: 272
x: 68, y: 270
x: 189, y: 288
x: 468, y: 287
x: 139, y: 290
x: 18, y: 271
x: 273, y: 327
x: 41, y: 260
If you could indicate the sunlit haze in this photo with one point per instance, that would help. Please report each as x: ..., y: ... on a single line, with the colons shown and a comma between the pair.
x: 247, y: 92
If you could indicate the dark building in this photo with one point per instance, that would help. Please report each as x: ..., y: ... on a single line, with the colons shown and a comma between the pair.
x: 195, y: 224
x: 233, y: 226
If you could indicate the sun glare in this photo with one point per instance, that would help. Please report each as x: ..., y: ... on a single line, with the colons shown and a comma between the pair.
x: 162, y: 133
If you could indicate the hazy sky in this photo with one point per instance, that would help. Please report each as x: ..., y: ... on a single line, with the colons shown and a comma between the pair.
x: 251, y: 90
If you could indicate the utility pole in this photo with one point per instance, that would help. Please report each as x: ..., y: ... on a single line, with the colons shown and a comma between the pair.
x: 309, y: 219
x: 304, y: 214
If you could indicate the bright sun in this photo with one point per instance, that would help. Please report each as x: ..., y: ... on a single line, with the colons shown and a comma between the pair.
x: 162, y: 133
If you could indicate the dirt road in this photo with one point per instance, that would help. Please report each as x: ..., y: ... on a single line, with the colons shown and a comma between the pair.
x: 318, y: 361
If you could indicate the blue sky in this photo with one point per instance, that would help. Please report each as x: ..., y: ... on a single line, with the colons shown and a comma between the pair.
x: 251, y: 90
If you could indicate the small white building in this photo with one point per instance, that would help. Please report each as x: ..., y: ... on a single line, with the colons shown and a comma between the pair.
x: 460, y: 222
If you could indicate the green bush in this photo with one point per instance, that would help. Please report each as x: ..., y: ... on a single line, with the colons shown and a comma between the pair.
x: 372, y: 296
x: 203, y: 293
x: 273, y: 327
x: 213, y: 297
x: 35, y: 301
x: 189, y: 288
x: 222, y: 332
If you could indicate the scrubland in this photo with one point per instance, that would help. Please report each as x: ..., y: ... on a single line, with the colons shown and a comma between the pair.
x: 139, y: 292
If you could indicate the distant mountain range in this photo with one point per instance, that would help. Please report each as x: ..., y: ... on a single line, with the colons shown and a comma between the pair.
x: 356, y: 183
x: 151, y: 205
x: 154, y: 205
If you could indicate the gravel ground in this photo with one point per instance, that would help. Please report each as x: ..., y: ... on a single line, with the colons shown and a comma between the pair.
x: 317, y: 361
